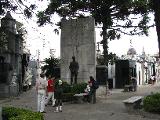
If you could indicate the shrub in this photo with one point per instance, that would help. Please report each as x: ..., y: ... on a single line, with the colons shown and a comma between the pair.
x: 151, y: 103
x: 78, y: 88
x: 69, y: 91
x: 11, y: 113
x: 66, y: 87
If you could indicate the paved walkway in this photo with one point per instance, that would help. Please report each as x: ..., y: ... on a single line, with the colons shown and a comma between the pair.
x: 107, y: 107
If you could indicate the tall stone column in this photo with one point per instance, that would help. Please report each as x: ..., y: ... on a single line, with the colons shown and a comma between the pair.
x: 78, y: 39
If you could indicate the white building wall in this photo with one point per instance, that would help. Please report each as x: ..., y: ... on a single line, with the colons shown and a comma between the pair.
x: 139, y: 73
x: 111, y: 73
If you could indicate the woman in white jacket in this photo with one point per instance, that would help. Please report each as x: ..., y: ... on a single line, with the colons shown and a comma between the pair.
x: 41, y: 88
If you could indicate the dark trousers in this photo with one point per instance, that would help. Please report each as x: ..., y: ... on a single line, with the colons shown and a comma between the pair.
x: 58, y: 102
x: 87, y: 98
x: 134, y: 88
x: 74, y: 76
x: 92, y: 96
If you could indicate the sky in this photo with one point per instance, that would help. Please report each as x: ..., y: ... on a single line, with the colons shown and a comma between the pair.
x: 39, y: 38
x: 148, y: 43
x: 44, y: 38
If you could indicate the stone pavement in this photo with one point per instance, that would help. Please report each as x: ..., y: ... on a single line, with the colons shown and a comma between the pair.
x: 107, y: 107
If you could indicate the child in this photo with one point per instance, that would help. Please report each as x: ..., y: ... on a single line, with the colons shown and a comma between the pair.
x: 58, y: 95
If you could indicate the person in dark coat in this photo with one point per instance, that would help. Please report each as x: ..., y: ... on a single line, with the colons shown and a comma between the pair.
x: 58, y: 96
x: 134, y: 82
x: 92, y: 93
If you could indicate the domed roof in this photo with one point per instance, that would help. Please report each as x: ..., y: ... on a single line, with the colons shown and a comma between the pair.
x: 131, y: 51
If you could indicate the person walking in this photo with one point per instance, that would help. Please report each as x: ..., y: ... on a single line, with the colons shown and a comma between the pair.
x: 50, y: 90
x: 58, y: 95
x: 41, y: 88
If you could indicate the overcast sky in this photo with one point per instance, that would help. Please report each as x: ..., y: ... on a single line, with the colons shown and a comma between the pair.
x: 43, y: 38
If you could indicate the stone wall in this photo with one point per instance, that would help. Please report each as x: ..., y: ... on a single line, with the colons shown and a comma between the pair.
x: 78, y: 39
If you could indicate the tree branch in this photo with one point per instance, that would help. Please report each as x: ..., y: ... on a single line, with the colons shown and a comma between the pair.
x: 123, y: 26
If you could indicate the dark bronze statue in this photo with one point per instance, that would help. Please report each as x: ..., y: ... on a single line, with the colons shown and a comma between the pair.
x: 74, y: 67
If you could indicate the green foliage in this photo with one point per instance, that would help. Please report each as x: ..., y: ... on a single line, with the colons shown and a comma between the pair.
x: 105, y: 12
x: 70, y: 90
x: 152, y: 103
x: 43, y: 18
x: 5, y: 5
x: 17, y: 5
x: 111, y: 59
x: 113, y: 15
x: 66, y: 87
x: 78, y: 88
x: 50, y: 66
x: 75, y: 88
x: 141, y: 6
x: 11, y: 113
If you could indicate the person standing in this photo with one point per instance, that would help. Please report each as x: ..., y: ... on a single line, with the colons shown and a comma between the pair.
x: 134, y: 82
x: 50, y: 90
x: 58, y: 95
x: 93, y: 87
x: 74, y: 67
x: 41, y: 88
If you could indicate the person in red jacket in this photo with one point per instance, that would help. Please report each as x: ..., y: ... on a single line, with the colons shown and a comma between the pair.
x: 50, y: 90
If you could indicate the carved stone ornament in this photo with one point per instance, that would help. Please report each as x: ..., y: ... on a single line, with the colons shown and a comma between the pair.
x: 3, y: 40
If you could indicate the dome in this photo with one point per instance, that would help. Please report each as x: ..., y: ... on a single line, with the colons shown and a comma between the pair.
x: 131, y: 51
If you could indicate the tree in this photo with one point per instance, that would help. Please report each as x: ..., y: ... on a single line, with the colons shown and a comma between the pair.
x: 155, y: 6
x: 16, y: 5
x: 111, y: 59
x: 50, y: 65
x: 108, y: 15
x: 152, y: 6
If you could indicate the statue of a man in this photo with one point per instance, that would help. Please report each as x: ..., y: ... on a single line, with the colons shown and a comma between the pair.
x: 74, y: 67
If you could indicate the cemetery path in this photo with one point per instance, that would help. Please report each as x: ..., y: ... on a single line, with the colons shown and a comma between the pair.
x: 108, y: 107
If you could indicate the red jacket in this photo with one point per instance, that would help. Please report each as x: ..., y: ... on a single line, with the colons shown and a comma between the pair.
x: 50, y: 87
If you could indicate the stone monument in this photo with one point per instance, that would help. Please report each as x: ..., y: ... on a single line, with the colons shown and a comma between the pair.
x: 10, y: 57
x: 78, y: 39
